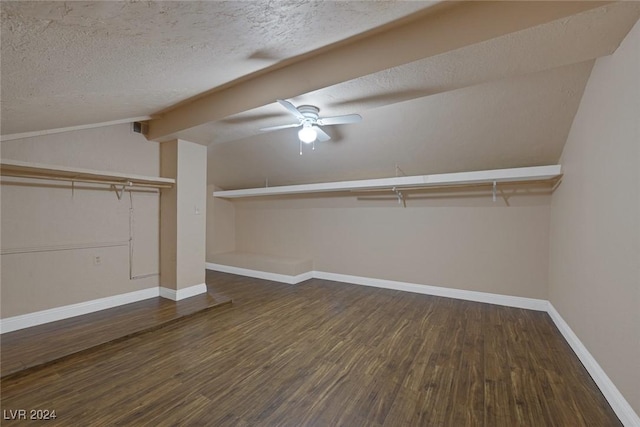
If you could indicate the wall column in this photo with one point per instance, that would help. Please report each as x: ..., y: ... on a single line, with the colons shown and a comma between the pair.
x: 183, y: 220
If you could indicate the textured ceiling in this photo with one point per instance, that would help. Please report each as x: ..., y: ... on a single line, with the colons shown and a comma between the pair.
x: 73, y: 63
x: 459, y: 86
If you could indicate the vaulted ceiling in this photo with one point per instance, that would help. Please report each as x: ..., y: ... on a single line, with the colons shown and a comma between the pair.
x: 441, y: 86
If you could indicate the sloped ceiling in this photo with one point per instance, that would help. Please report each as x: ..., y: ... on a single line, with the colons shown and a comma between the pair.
x: 72, y: 63
x: 442, y: 87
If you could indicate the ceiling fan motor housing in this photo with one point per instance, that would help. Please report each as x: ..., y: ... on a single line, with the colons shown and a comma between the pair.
x: 310, y: 112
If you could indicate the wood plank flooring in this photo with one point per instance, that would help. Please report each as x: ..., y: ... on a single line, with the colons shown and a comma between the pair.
x: 39, y: 345
x: 324, y: 354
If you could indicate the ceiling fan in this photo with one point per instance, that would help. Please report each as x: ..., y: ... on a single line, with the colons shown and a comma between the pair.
x: 310, y: 122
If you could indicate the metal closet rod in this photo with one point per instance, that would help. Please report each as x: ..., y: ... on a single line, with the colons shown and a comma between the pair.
x: 86, y: 180
x: 488, y: 185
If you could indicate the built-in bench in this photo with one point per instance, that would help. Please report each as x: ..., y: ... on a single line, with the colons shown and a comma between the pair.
x: 263, y: 266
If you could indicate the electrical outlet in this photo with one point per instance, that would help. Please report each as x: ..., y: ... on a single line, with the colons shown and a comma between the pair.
x: 97, y: 260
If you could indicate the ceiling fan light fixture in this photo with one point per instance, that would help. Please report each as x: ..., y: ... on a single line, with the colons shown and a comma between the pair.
x: 311, y: 122
x: 307, y: 134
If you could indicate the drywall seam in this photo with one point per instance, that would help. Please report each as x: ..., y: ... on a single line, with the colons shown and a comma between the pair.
x: 59, y: 313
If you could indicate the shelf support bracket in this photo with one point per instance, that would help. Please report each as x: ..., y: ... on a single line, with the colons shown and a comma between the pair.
x: 505, y: 197
x: 119, y: 192
x: 399, y: 171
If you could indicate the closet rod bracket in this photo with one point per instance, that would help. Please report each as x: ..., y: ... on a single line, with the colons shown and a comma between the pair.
x: 400, y: 196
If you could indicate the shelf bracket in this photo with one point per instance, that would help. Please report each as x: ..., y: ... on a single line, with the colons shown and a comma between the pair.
x: 505, y: 197
x: 399, y: 172
x: 119, y: 192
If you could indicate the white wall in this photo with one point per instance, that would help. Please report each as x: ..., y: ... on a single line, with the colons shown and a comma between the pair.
x: 51, y: 234
x: 594, y: 274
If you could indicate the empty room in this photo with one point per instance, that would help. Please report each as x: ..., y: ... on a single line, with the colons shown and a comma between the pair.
x: 320, y: 213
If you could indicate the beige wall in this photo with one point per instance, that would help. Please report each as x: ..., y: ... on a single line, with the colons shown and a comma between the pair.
x: 594, y: 275
x: 459, y: 242
x: 169, y: 217
x: 51, y: 234
x: 192, y: 213
x: 183, y: 219
x: 221, y: 226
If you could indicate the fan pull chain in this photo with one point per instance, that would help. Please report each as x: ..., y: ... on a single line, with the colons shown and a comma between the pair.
x: 313, y: 145
x: 301, y: 147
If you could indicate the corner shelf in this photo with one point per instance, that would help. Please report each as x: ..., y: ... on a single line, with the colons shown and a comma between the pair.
x: 18, y: 169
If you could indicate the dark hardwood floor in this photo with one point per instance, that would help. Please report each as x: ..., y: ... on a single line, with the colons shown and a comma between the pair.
x: 39, y: 345
x: 323, y: 354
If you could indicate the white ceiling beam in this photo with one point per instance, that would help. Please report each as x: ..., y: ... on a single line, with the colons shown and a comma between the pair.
x: 534, y: 173
x: 440, y: 29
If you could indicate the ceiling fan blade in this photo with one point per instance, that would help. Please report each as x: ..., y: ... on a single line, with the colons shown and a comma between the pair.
x: 322, y: 135
x: 291, y: 108
x: 294, y: 125
x: 338, y: 120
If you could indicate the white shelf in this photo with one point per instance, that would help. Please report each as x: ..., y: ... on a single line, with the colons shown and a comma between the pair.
x: 537, y: 173
x: 15, y: 168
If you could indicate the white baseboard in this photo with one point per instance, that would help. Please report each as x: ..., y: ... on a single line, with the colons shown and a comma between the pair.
x: 180, y: 294
x: 274, y: 277
x: 23, y: 321
x: 486, y: 297
x: 507, y: 300
x: 618, y: 403
x: 59, y: 313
